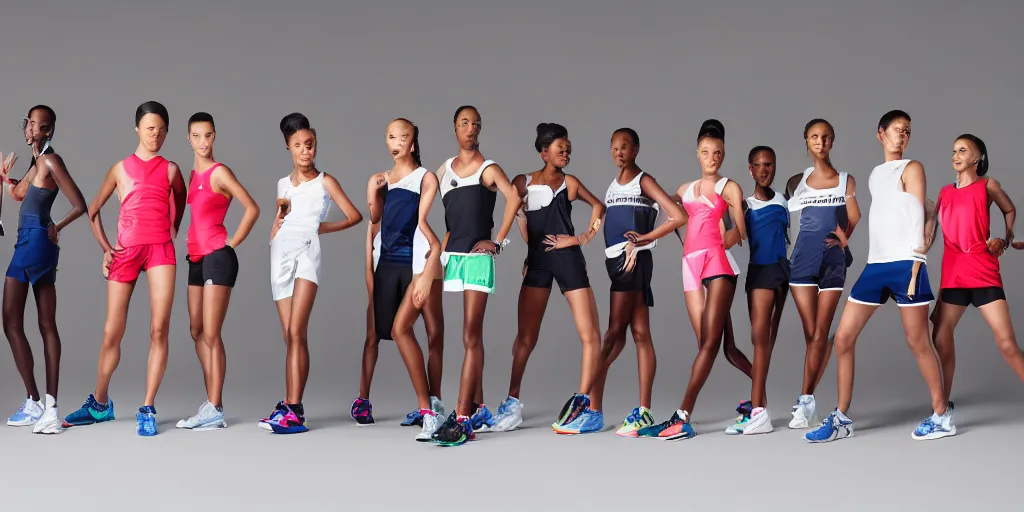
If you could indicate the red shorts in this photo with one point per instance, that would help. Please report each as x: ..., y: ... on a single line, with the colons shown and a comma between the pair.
x: 129, y: 262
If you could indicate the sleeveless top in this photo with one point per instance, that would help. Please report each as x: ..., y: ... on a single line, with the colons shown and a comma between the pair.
x: 35, y: 207
x: 821, y: 210
x: 896, y: 218
x: 468, y: 208
x: 627, y: 209
x: 964, y: 217
x: 767, y: 229
x: 399, y: 224
x: 310, y: 203
x: 145, y: 216
x: 548, y: 212
x: 703, y: 229
x: 206, y: 231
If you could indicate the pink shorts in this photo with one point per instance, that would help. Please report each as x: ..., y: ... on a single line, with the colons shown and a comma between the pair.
x: 129, y: 262
x: 701, y: 265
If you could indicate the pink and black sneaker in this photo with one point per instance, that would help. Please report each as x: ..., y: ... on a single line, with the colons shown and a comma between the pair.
x: 362, y: 412
x: 291, y: 422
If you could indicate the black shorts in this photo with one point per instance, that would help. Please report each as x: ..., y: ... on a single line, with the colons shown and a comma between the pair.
x: 767, y: 277
x: 976, y: 297
x: 568, y: 268
x: 389, y: 285
x: 639, y: 280
x: 219, y: 268
x: 728, y: 277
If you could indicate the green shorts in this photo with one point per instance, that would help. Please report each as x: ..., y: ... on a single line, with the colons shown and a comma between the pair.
x: 468, y: 272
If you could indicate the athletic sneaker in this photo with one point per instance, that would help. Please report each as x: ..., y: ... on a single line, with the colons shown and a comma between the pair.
x: 677, y: 427
x: 509, y: 415
x: 430, y: 422
x: 413, y: 419
x: 803, y: 412
x: 741, y: 421
x: 289, y: 423
x: 49, y: 422
x: 279, y: 410
x: 760, y: 422
x: 208, y: 417
x: 362, y: 411
x: 935, y: 427
x: 589, y: 421
x: 835, y: 426
x: 28, y: 414
x: 454, y: 431
x: 482, y: 419
x: 145, y: 421
x: 90, y: 412
x: 575, y: 406
x: 437, y: 406
x: 640, y: 417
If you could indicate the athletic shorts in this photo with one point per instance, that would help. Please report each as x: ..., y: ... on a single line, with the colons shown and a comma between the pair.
x: 830, y: 274
x: 879, y: 281
x: 390, y: 283
x: 767, y: 277
x: 35, y: 256
x: 218, y: 268
x: 639, y: 280
x: 293, y: 257
x: 705, y: 265
x: 464, y: 272
x: 568, y: 268
x: 131, y: 261
x: 976, y: 297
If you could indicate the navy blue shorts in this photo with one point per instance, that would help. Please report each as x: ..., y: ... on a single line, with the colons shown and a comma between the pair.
x: 879, y: 281
x: 830, y: 274
x: 35, y: 257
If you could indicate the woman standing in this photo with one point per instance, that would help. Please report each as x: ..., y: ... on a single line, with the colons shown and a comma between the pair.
x: 303, y: 199
x: 212, y: 262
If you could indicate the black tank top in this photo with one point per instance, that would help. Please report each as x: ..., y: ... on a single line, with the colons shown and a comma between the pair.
x: 468, y: 208
x: 548, y: 212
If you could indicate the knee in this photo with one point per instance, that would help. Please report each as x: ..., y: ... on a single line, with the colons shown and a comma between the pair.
x: 197, y: 332
x: 112, y: 334
x: 211, y: 340
x: 1008, y: 346
x: 844, y: 343
x: 295, y: 335
x: 435, y: 340
x: 47, y: 328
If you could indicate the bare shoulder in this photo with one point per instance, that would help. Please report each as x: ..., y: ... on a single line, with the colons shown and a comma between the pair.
x: 914, y: 167
x: 373, y: 177
x: 992, y: 184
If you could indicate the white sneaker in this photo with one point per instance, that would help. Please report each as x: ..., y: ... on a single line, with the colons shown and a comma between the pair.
x: 206, y: 418
x: 50, y: 421
x: 760, y: 422
x: 437, y: 406
x: 509, y: 415
x: 803, y: 412
x: 28, y: 414
x: 430, y: 424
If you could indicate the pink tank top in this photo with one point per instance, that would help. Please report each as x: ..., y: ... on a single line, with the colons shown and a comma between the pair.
x: 206, y: 231
x: 145, y: 216
x: 964, y: 217
x: 702, y: 230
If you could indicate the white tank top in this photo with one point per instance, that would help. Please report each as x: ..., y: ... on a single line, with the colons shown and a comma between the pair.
x: 310, y: 203
x: 896, y: 218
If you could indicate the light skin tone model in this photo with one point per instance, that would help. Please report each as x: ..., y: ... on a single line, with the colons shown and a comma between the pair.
x: 208, y: 305
x: 152, y: 131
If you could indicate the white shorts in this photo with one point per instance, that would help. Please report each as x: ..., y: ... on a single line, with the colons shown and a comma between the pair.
x: 290, y: 259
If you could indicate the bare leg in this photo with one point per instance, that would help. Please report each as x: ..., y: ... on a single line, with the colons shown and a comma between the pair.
x: 944, y: 319
x: 195, y: 325
x: 997, y: 315
x: 532, y: 304
x: 118, y: 297
x: 161, y: 297
x: 433, y: 321
x: 712, y: 324
x: 584, y: 313
x: 855, y: 317
x: 646, y: 359
x: 15, y: 296
x: 620, y: 312
x: 370, y: 350
x: 402, y: 332
x: 297, y: 371
x: 46, y: 310
x: 474, y: 306
x: 215, y: 309
x: 821, y: 346
x: 915, y: 328
x: 760, y: 303
x: 731, y: 352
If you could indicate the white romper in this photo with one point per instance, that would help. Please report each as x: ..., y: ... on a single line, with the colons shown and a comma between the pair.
x: 295, y: 249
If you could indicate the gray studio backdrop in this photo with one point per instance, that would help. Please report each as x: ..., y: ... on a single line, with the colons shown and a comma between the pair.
x: 764, y: 70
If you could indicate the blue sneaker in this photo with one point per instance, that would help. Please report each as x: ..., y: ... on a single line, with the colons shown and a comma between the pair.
x: 509, y: 415
x: 482, y: 419
x: 146, y: 419
x: 935, y: 427
x: 90, y: 412
x: 279, y: 411
x: 589, y: 421
x: 831, y: 428
x: 26, y: 415
x: 362, y: 411
x: 677, y: 427
x: 414, y: 418
x: 574, y: 407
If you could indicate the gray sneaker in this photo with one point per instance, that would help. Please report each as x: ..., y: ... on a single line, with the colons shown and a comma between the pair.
x: 207, y: 418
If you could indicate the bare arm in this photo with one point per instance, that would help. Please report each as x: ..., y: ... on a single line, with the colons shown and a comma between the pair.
x: 374, y: 201
x: 733, y: 195
x: 1005, y: 204
x: 107, y: 189
x: 677, y: 198
x: 852, y: 207
x: 792, y: 184
x: 428, y: 189
x: 179, y: 194
x: 352, y: 215
x: 371, y: 233
x: 223, y: 179
x: 597, y: 209
x: 519, y: 182
x: 675, y: 213
x: 55, y: 166
x: 19, y: 189
x: 915, y: 184
x: 494, y: 176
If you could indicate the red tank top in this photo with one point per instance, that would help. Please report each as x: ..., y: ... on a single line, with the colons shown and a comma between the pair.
x: 146, y: 211
x: 206, y: 231
x: 963, y: 214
